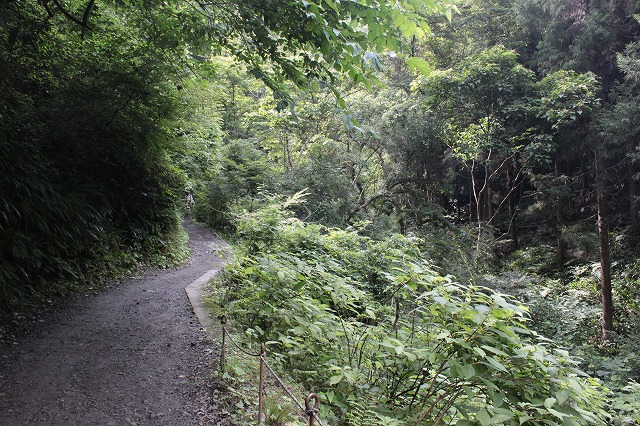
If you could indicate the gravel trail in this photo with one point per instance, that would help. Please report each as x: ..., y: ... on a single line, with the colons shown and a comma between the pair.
x: 131, y: 355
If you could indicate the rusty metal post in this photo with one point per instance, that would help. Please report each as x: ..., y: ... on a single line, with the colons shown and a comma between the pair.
x: 261, y: 416
x: 311, y: 411
x: 223, y: 321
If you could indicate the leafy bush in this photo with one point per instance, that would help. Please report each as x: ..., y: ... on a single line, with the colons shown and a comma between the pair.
x: 568, y: 310
x: 442, y: 245
x: 366, y: 320
x: 627, y: 405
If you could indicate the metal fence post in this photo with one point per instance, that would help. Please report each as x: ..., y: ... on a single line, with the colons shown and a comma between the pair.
x: 311, y: 411
x: 223, y: 321
x: 261, y: 416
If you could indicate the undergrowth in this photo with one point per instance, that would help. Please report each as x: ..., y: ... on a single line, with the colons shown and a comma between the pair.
x: 565, y: 305
x: 384, y: 339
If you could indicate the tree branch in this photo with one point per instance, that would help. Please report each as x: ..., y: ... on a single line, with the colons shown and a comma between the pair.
x: 46, y: 7
x: 85, y: 17
x: 87, y: 12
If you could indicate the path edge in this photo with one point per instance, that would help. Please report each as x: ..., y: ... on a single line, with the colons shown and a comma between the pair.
x: 194, y: 293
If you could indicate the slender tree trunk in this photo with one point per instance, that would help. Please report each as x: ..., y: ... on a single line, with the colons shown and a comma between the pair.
x: 513, y: 230
x: 234, y: 113
x: 489, y: 194
x: 605, y: 255
x: 584, y: 172
x: 561, y: 246
x: 633, y: 190
x: 471, y: 200
x: 288, y: 163
x: 477, y: 195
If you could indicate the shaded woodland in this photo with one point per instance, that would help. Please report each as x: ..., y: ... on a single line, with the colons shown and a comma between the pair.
x: 487, y: 144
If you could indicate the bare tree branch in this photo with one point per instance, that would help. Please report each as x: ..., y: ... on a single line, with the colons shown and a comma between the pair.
x: 87, y: 12
x: 85, y: 17
x: 66, y: 13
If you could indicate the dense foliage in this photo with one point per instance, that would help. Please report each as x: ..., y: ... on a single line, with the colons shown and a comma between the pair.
x: 508, y: 153
x: 389, y: 341
x: 85, y: 184
x: 93, y: 134
x: 493, y: 135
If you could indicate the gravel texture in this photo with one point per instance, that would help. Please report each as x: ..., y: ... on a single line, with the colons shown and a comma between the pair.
x: 132, y: 355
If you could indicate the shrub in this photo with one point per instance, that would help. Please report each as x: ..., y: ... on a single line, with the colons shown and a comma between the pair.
x: 367, y: 320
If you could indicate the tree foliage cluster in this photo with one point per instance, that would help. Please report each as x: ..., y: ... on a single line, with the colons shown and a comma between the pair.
x: 86, y: 186
x: 508, y: 134
x: 96, y: 130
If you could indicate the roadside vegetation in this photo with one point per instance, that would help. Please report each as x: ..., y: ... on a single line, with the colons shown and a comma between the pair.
x: 434, y: 208
x: 387, y: 340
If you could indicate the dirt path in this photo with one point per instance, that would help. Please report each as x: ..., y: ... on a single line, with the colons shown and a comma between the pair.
x: 132, y: 355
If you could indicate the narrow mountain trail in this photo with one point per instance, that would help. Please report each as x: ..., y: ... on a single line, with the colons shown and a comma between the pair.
x: 134, y: 354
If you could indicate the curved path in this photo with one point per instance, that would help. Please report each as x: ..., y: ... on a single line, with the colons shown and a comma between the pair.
x: 132, y: 355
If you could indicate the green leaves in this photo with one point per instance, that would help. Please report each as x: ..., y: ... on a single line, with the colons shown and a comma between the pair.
x: 90, y: 112
x: 308, y: 40
x: 420, y: 65
x: 461, y: 353
x: 486, y: 419
x: 566, y: 96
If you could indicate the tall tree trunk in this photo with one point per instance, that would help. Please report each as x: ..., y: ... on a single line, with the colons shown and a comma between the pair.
x: 633, y: 190
x: 584, y: 172
x: 605, y: 255
x: 513, y: 230
x: 561, y: 246
x: 477, y: 195
x: 472, y: 194
x: 488, y: 208
x: 286, y: 155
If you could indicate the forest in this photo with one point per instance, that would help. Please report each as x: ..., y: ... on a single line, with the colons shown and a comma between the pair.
x: 434, y: 204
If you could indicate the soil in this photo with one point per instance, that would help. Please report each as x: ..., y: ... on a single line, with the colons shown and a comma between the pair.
x: 134, y: 354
